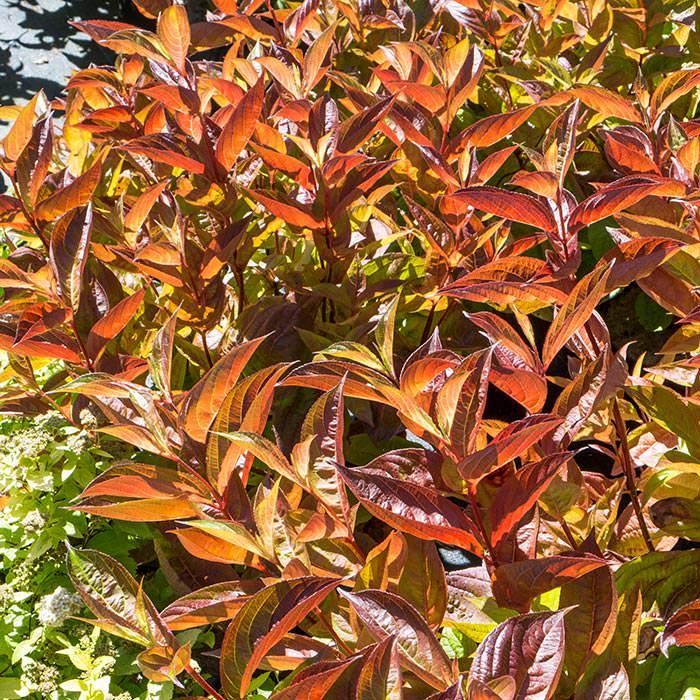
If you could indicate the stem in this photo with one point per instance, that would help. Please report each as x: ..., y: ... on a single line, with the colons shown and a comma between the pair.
x: 215, y: 494
x: 480, y: 523
x: 626, y: 459
x: 83, y: 349
x: 278, y: 27
x: 567, y: 531
x: 203, y: 335
x: 428, y: 325
x: 205, y: 685
x: 332, y: 632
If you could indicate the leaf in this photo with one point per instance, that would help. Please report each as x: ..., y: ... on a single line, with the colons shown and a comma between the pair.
x: 174, y: 32
x: 380, y: 675
x: 353, y: 132
x: 20, y: 133
x: 315, y: 56
x: 491, y: 129
x: 154, y: 492
x: 162, y: 663
x: 140, y: 209
x: 606, y: 103
x: 113, y: 595
x: 264, y: 450
x: 677, y: 516
x: 161, y: 357
x: 453, y: 693
x: 620, y: 195
x: 34, y: 161
x: 529, y: 648
x: 461, y: 401
x: 168, y: 149
x: 68, y: 252
x: 262, y: 622
x: 73, y: 196
x: 410, y: 508
x: 515, y: 585
x: 507, y: 205
x: 677, y: 675
x: 210, y: 604
x: 386, y: 614
x: 591, y: 622
x: 574, y: 314
x: 672, y: 412
x: 682, y: 629
x: 208, y: 547
x: 292, y: 214
x: 113, y: 322
x: 37, y: 320
x: 512, y: 442
x: 503, y: 281
x: 664, y: 578
x: 323, y: 679
x: 384, y: 334
x: 518, y: 494
x: 240, y: 126
x: 204, y: 399
x: 638, y: 258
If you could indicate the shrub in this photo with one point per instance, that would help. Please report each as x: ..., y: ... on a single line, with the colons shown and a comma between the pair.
x: 45, y: 463
x: 340, y: 272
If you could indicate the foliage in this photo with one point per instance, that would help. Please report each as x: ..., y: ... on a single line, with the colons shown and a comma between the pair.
x: 341, y: 272
x: 45, y: 463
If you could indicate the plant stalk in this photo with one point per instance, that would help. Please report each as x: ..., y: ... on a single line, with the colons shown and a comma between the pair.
x: 626, y: 459
x: 203, y: 683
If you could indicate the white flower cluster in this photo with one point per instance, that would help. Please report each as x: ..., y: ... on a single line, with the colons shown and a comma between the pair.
x: 53, y: 609
x: 33, y: 521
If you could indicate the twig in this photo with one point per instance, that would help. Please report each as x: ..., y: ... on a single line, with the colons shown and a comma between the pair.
x: 626, y: 459
x: 205, y: 685
x: 480, y: 524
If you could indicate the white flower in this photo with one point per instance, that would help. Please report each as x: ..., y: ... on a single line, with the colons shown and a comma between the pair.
x: 33, y: 521
x: 53, y: 609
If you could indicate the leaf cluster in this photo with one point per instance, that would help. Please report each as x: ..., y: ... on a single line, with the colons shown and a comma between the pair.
x: 343, y: 274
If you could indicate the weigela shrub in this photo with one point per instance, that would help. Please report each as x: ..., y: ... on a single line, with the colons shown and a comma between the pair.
x: 345, y: 274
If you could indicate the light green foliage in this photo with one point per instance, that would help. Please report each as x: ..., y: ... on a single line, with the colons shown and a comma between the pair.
x: 44, y: 464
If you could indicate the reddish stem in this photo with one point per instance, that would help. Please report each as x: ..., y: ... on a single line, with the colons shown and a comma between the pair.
x: 626, y: 459
x: 205, y: 685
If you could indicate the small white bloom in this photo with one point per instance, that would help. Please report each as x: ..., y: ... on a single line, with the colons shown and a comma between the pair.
x: 33, y: 521
x: 53, y: 609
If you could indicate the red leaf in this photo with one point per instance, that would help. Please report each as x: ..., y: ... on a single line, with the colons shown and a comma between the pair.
x: 638, y: 258
x: 576, y: 312
x: 240, y: 127
x: 174, y: 32
x: 163, y: 148
x: 619, y: 195
x: 204, y: 398
x: 606, y: 103
x: 507, y: 205
x: 386, y: 614
x: 262, y: 622
x: 417, y: 510
x: 683, y: 627
x: 519, y: 493
x: 68, y: 252
x: 514, y: 440
x: 113, y: 322
x: 21, y: 130
x: 529, y: 648
x: 516, y: 585
x: 209, y: 605
x: 77, y: 194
